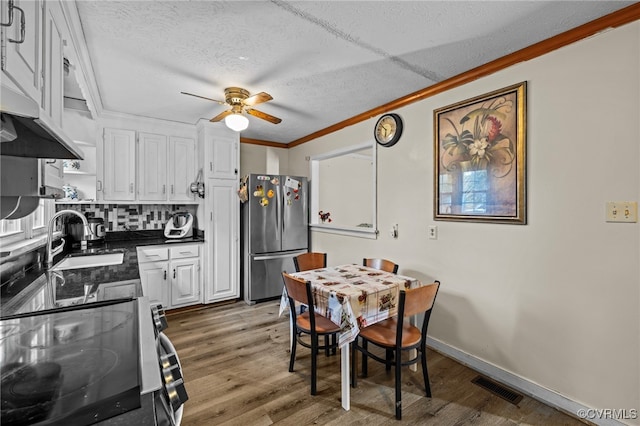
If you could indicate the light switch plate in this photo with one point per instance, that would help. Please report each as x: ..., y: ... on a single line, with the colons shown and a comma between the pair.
x: 622, y: 211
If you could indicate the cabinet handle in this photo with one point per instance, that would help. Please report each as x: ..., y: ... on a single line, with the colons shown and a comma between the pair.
x: 99, y: 184
x: 210, y: 166
x: 174, y: 273
x: 164, y: 189
x: 10, y: 15
x: 50, y: 161
x: 235, y: 171
x: 131, y: 188
x: 171, y: 189
x: 165, y: 274
x: 22, y: 25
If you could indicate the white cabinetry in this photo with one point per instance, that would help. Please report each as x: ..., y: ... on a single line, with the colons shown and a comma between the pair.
x: 152, y: 167
x: 118, y: 165
x: 221, y: 147
x: 182, y: 168
x: 221, y: 210
x: 33, y: 53
x: 53, y: 43
x: 22, y: 45
x: 221, y: 233
x: 122, y: 162
x: 170, y: 275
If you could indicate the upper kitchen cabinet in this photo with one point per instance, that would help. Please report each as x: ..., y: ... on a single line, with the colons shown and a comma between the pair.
x: 33, y: 43
x: 22, y: 44
x: 220, y: 146
x: 152, y: 167
x: 146, y: 167
x: 182, y: 165
x: 118, y: 179
x: 53, y: 66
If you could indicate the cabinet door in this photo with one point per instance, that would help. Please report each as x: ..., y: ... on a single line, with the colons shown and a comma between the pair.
x: 152, y: 167
x: 52, y: 90
x: 153, y: 277
x: 53, y: 174
x: 22, y: 61
x: 119, y: 165
x: 223, y: 162
x: 182, y: 168
x: 118, y: 290
x: 222, y: 210
x: 185, y: 282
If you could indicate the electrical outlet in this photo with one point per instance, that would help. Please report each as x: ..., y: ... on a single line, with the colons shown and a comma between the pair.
x: 433, y: 232
x: 622, y: 211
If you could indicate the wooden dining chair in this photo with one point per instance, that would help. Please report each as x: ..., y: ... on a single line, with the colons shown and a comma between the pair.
x: 306, y: 262
x: 397, y: 335
x: 308, y: 323
x: 311, y: 260
x: 382, y: 264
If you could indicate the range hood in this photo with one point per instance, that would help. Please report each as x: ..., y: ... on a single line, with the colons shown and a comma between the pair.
x: 24, y: 133
x: 27, y: 140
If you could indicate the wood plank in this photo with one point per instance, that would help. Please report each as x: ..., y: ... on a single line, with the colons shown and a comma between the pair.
x: 235, y: 360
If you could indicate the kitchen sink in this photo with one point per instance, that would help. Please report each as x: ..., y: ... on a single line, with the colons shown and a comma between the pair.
x: 89, y: 261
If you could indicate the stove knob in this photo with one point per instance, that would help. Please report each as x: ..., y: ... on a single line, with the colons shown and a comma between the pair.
x: 172, y: 374
x: 159, y: 318
x: 168, y: 361
x: 177, y: 394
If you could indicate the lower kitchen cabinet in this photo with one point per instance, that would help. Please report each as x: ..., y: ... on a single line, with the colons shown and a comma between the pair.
x: 170, y: 275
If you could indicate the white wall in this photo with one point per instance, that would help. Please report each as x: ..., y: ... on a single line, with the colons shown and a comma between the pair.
x: 555, y: 302
x: 263, y: 159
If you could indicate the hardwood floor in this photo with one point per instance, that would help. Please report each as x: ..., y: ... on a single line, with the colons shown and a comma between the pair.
x: 235, y: 363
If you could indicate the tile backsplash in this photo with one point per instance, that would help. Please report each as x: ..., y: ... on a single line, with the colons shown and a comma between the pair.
x: 131, y: 217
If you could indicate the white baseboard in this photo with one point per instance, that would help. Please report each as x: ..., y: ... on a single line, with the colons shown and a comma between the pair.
x: 533, y: 390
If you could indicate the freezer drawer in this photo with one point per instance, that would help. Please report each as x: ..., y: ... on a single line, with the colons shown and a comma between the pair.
x: 265, y: 275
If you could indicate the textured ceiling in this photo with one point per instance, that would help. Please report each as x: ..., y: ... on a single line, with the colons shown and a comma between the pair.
x: 322, y: 61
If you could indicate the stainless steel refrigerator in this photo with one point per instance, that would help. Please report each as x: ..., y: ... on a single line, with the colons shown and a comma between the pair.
x: 274, y: 229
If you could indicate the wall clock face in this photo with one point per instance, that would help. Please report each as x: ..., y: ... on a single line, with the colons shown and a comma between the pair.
x: 388, y: 130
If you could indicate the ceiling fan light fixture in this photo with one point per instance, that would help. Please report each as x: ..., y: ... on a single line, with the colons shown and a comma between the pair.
x: 236, y: 122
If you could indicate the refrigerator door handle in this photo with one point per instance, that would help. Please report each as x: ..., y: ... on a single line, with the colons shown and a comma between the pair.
x: 277, y: 256
x: 279, y: 222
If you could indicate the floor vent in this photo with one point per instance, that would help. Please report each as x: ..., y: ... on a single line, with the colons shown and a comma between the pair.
x: 498, y: 390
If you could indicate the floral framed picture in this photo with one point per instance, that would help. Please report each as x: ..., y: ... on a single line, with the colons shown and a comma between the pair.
x: 479, y: 156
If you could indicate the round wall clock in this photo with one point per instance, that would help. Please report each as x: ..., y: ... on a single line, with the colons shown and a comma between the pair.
x: 388, y: 130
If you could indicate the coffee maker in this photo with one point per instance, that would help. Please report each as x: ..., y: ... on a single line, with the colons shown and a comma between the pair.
x: 75, y: 229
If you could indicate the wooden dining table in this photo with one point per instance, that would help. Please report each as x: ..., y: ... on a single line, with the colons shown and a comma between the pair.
x: 352, y: 296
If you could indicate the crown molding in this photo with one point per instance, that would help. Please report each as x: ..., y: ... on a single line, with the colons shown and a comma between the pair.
x: 613, y: 20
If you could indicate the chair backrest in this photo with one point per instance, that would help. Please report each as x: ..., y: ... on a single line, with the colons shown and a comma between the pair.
x: 382, y: 264
x: 311, y: 260
x: 296, y: 288
x: 420, y: 299
x: 415, y: 301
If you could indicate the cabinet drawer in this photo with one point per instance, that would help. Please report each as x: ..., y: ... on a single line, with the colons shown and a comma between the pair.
x: 185, y: 251
x: 150, y: 254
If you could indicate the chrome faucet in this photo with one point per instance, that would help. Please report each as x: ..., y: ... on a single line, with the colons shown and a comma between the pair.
x: 51, y: 252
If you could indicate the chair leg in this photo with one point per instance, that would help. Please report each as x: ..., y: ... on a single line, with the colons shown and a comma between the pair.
x: 293, y: 352
x: 365, y: 370
x: 334, y: 344
x: 425, y: 372
x: 398, y: 388
x: 314, y: 356
x: 326, y: 345
x: 389, y: 357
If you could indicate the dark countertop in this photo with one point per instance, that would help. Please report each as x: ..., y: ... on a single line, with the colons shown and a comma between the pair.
x: 74, y: 286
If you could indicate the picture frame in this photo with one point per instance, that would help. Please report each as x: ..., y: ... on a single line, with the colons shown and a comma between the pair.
x: 480, y: 158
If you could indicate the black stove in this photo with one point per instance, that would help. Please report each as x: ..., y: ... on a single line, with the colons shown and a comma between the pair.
x: 70, y: 366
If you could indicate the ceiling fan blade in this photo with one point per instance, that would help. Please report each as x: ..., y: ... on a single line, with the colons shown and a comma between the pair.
x: 258, y: 98
x: 203, y: 97
x: 222, y: 115
x: 263, y: 115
